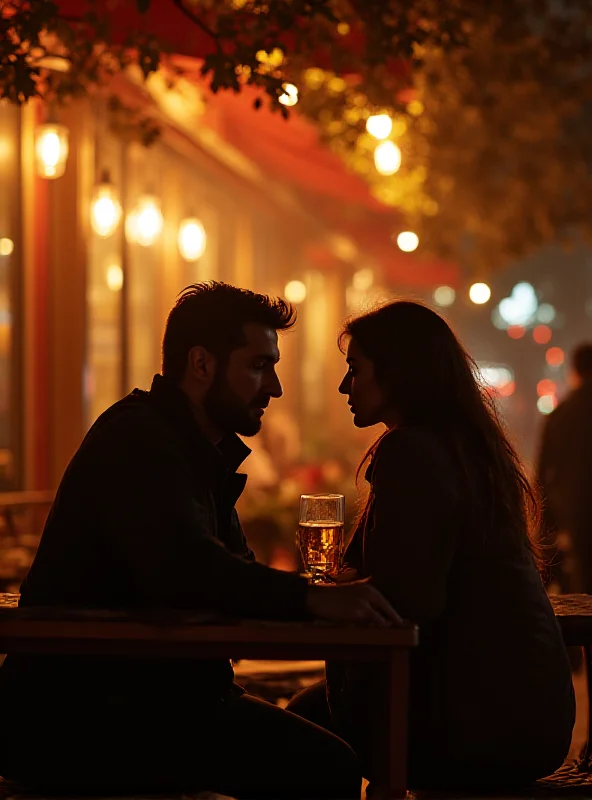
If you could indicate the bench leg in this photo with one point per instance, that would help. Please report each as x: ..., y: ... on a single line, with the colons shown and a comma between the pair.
x: 585, y: 759
x: 396, y: 750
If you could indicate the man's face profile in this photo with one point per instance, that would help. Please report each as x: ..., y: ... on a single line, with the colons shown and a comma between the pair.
x: 243, y: 388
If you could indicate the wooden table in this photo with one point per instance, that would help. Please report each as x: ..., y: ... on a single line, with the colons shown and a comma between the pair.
x: 43, y: 630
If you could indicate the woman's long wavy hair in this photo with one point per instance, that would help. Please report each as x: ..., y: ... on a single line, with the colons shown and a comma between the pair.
x: 429, y: 380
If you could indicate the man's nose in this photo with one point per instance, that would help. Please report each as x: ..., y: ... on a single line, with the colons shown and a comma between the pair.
x: 275, y: 387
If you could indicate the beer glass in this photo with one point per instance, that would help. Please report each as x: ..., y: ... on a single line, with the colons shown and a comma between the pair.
x: 320, y: 534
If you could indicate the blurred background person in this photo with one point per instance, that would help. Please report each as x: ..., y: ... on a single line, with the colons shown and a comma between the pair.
x: 564, y: 473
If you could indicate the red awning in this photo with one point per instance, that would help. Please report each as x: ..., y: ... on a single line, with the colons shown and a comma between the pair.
x: 288, y: 151
x: 163, y: 20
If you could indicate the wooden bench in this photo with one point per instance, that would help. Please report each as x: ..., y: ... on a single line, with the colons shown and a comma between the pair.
x: 46, y: 630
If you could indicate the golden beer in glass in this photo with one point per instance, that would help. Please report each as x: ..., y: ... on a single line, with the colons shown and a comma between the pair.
x: 320, y: 535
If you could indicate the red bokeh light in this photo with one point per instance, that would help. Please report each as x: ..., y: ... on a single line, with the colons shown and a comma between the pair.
x: 542, y: 334
x: 546, y: 386
x: 507, y: 389
x: 516, y: 331
x: 555, y: 356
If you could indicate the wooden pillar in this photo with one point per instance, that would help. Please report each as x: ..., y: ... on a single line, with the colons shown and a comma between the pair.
x: 68, y: 201
x: 35, y: 227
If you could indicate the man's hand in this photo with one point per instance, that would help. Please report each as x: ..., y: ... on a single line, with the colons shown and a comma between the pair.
x: 353, y: 602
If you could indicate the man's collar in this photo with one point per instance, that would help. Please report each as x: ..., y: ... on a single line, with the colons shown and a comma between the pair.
x: 234, y: 450
x: 173, y: 401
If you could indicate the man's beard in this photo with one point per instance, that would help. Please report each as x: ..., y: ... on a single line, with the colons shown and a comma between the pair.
x: 229, y: 412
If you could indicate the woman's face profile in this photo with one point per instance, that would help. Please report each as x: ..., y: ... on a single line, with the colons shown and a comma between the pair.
x: 364, y: 395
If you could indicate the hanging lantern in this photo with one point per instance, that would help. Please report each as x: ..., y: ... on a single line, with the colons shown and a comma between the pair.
x: 144, y: 224
x: 105, y: 209
x: 51, y: 149
x: 191, y: 239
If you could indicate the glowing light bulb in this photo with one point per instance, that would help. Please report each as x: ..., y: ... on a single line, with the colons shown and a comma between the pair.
x: 144, y: 224
x: 555, y: 357
x: 114, y: 277
x: 290, y: 96
x: 407, y: 241
x: 295, y: 291
x: 105, y: 210
x: 546, y: 403
x: 191, y: 239
x: 363, y: 279
x: 444, y: 296
x: 51, y: 150
x: 542, y: 334
x: 6, y: 247
x: 379, y: 126
x: 479, y: 293
x: 387, y: 158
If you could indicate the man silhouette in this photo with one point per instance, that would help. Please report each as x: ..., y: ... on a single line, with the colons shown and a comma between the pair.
x: 144, y: 518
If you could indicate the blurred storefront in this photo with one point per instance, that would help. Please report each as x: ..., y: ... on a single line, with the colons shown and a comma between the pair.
x: 91, y: 260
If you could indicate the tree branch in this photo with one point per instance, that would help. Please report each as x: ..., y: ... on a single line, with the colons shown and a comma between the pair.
x: 200, y: 23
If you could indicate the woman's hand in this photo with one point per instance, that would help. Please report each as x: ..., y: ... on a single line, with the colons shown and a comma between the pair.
x: 346, y: 575
x: 357, y: 602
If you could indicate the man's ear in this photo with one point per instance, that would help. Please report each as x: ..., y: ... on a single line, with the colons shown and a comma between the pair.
x: 201, y: 364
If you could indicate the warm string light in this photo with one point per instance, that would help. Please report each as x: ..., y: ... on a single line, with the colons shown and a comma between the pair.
x: 290, y: 95
x: 387, y: 158
x: 408, y: 241
x: 379, y: 126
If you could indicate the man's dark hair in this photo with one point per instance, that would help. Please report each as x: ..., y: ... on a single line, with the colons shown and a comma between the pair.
x: 581, y: 360
x: 213, y: 314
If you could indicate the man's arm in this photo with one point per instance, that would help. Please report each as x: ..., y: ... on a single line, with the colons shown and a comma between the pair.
x: 161, y: 533
x: 160, y: 529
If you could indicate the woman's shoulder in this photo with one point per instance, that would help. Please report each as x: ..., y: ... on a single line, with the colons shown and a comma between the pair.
x: 415, y: 444
x: 413, y: 454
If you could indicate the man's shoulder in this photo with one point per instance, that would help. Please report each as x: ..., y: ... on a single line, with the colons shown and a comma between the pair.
x: 131, y: 419
x: 134, y: 409
x: 572, y: 408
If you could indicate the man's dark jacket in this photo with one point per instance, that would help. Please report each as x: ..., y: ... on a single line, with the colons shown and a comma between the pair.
x: 144, y: 518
